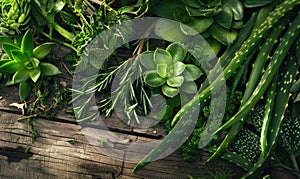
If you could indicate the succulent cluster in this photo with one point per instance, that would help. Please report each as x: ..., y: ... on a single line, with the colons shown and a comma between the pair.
x: 23, y: 60
x: 14, y: 15
x: 165, y: 69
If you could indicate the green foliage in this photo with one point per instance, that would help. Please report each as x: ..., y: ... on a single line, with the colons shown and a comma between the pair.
x: 14, y: 16
x: 165, y: 69
x: 24, y: 63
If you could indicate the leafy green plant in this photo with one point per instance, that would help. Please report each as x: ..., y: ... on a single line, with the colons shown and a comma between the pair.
x: 165, y: 69
x: 14, y: 16
x: 24, y: 62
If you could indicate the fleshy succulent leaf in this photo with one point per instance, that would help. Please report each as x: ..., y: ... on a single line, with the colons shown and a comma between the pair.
x: 191, y: 72
x: 153, y: 79
x: 43, y: 50
x: 162, y: 70
x: 24, y: 90
x: 169, y: 91
x: 48, y: 69
x: 20, y: 76
x: 19, y: 56
x: 11, y: 67
x: 162, y: 56
x: 175, y: 81
x: 27, y: 44
x: 178, y: 68
x: 177, y: 52
x: 146, y: 59
x: 34, y: 74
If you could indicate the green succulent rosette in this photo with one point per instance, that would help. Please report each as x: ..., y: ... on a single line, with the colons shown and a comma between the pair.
x: 14, y: 15
x: 165, y: 69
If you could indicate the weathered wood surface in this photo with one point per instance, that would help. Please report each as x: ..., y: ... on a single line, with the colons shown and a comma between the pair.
x: 52, y: 155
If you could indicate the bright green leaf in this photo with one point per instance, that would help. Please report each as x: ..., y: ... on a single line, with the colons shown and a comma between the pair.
x: 35, y: 74
x: 48, y: 69
x: 191, y: 72
x: 236, y: 7
x: 35, y: 62
x: 162, y: 56
x: 11, y: 67
x: 3, y: 61
x: 8, y: 48
x: 43, y: 50
x: 169, y: 91
x: 146, y: 59
x: 19, y: 56
x: 20, y: 76
x: 177, y: 52
x: 153, y: 79
x: 24, y: 90
x: 5, y: 39
x: 189, y: 87
x: 178, y: 68
x: 162, y: 70
x: 175, y: 81
x: 27, y: 44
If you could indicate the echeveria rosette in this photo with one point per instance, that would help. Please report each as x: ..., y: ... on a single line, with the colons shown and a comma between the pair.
x: 24, y: 63
x: 165, y: 69
x: 14, y: 15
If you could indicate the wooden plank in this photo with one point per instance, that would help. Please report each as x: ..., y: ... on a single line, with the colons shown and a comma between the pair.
x: 52, y: 154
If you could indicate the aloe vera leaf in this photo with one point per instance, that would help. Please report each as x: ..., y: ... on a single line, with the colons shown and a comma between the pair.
x: 276, y: 60
x: 234, y: 158
x: 280, y: 105
x: 261, y: 59
x: 268, y: 108
x: 252, y: 41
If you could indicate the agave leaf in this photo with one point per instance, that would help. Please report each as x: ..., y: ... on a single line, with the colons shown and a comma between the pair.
x: 19, y: 56
x: 24, y: 90
x: 43, y: 50
x: 162, y: 57
x: 153, y: 79
x: 34, y: 74
x: 146, y: 59
x: 177, y: 52
x: 175, y: 81
x: 169, y: 91
x: 191, y: 72
x: 48, y: 69
x: 11, y: 67
x: 178, y: 68
x: 7, y: 47
x: 20, y: 76
x: 27, y: 44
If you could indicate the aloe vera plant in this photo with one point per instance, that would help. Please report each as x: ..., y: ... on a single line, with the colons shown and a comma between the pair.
x: 24, y: 63
x: 250, y: 44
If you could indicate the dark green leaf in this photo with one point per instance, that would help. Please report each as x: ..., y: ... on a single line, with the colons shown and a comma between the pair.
x: 169, y: 91
x: 146, y: 59
x: 225, y: 17
x: 24, y: 90
x: 177, y: 52
x: 222, y: 34
x: 175, y: 81
x: 236, y: 7
x: 256, y: 3
x: 192, y: 3
x: 191, y: 72
x: 48, y: 69
x: 153, y: 79
x: 162, y: 57
x: 189, y: 87
x: 43, y: 50
x: 8, y: 48
x: 19, y: 56
x: 3, y: 61
x: 200, y: 24
x: 5, y: 39
x: 169, y: 30
x: 27, y: 44
x: 166, y: 8
x: 11, y: 67
x: 20, y: 76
